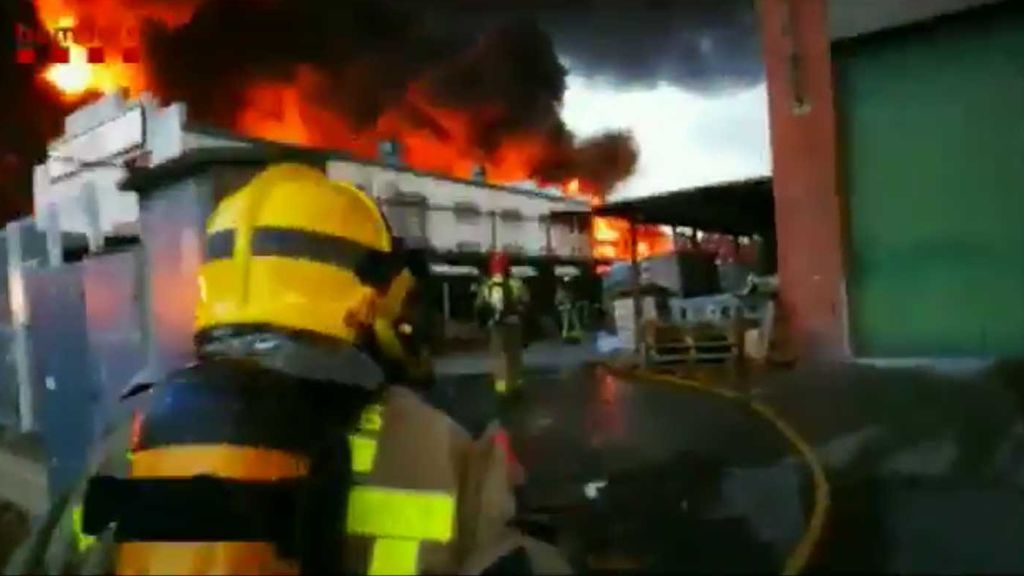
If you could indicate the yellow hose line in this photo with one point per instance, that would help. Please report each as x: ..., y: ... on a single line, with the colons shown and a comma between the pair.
x: 801, y: 554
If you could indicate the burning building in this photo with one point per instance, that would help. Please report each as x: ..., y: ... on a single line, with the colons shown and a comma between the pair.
x: 111, y: 254
x: 457, y: 102
x: 455, y: 222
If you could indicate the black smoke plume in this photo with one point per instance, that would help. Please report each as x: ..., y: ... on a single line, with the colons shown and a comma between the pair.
x: 371, y: 57
x: 30, y: 114
x: 705, y: 46
x: 500, y: 61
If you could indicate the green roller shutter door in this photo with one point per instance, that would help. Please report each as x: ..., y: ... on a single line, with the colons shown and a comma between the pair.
x: 931, y: 133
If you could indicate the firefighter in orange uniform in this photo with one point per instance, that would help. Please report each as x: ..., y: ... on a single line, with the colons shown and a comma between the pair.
x: 283, y: 449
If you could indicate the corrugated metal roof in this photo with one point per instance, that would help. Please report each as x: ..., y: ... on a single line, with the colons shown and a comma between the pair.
x: 741, y: 207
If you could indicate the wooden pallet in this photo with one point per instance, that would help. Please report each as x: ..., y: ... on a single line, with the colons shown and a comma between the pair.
x: 690, y: 344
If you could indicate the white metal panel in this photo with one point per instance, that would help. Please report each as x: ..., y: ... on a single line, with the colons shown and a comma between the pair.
x: 112, y: 138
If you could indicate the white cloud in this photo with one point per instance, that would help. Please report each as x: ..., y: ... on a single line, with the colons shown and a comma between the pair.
x: 685, y: 140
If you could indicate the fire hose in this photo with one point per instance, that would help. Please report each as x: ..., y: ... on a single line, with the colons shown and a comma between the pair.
x: 798, y: 558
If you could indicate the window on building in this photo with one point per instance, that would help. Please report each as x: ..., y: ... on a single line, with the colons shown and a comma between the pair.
x: 467, y: 213
x: 513, y: 248
x: 407, y: 214
x: 511, y: 216
x: 578, y: 225
x: 468, y: 246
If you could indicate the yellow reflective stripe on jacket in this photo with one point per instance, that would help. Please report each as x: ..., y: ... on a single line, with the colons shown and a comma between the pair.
x: 364, y: 452
x: 363, y: 445
x: 394, y: 556
x: 372, y: 418
x: 82, y: 540
x: 397, y: 513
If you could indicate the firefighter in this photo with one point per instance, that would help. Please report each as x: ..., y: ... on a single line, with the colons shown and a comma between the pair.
x: 504, y: 299
x: 569, y: 312
x: 281, y: 450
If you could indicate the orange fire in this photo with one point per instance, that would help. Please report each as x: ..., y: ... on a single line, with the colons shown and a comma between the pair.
x: 610, y: 236
x: 431, y: 138
x: 109, y: 24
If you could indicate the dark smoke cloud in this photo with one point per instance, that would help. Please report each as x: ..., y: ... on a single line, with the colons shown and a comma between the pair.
x: 498, y: 61
x: 30, y: 114
x: 706, y: 46
x: 366, y: 55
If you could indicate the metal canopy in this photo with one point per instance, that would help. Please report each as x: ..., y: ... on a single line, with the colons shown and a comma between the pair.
x: 740, y: 208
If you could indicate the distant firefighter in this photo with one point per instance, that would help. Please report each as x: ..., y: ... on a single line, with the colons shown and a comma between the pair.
x: 570, y: 312
x: 502, y: 300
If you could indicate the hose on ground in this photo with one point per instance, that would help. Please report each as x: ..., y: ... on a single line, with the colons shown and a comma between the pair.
x: 798, y: 558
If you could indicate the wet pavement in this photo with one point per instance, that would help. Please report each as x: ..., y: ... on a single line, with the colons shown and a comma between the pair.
x: 926, y: 467
x: 688, y: 480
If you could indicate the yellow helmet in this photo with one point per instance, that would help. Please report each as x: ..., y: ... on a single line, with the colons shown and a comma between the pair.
x: 294, y: 250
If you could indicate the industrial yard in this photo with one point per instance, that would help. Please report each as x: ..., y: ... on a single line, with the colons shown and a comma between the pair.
x: 811, y: 366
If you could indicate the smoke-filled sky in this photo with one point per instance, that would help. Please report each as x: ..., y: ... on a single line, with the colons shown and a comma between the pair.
x: 678, y: 83
x: 685, y: 77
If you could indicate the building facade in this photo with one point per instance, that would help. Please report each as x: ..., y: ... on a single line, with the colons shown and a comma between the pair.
x: 76, y: 191
x: 81, y: 209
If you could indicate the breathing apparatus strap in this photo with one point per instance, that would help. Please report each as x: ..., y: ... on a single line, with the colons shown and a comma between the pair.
x: 303, y: 517
x: 323, y: 505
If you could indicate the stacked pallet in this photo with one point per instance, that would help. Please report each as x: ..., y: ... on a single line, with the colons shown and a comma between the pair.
x: 691, y: 343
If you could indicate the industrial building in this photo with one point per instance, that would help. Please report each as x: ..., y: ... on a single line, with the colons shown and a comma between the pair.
x: 78, y: 203
x: 110, y: 256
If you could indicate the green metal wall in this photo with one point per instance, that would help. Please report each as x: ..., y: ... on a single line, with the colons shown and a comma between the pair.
x: 931, y: 134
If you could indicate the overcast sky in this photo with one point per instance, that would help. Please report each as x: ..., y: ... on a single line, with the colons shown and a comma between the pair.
x: 685, y: 139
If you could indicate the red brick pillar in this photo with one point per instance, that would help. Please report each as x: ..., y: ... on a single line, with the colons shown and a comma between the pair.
x: 808, y: 211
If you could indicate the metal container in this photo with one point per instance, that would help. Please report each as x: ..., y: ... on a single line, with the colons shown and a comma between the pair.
x: 65, y: 386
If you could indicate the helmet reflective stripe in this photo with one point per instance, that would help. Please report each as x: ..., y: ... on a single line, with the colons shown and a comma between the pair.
x: 371, y: 266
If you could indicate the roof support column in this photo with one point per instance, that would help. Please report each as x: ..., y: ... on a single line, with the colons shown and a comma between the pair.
x: 808, y: 211
x: 638, y: 311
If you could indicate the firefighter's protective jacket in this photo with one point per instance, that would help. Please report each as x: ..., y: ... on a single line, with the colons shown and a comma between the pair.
x: 503, y: 298
x: 454, y: 491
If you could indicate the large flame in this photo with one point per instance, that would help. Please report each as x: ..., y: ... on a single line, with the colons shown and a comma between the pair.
x: 78, y: 78
x: 610, y: 237
x: 432, y: 138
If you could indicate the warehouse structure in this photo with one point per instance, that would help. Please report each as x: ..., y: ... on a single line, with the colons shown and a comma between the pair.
x: 101, y: 282
x: 78, y: 203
